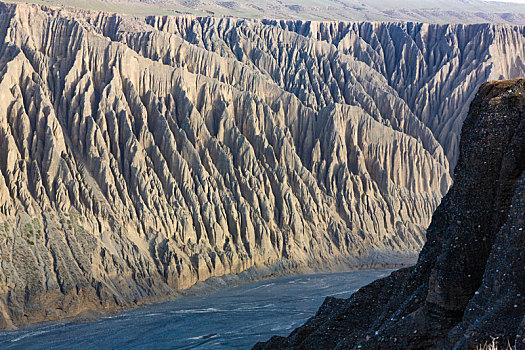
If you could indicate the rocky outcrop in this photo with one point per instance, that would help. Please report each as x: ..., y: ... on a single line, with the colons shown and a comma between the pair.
x: 467, y: 287
x: 141, y: 155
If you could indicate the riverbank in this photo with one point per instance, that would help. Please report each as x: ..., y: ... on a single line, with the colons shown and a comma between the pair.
x: 378, y: 260
x: 230, y: 318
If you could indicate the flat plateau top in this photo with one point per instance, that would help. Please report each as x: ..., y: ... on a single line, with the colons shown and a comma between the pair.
x: 437, y: 11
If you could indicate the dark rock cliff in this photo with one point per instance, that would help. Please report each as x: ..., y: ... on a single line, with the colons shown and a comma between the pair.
x: 469, y: 282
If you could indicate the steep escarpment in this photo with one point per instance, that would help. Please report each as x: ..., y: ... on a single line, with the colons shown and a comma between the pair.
x: 468, y: 284
x: 434, y: 69
x: 125, y: 177
x: 141, y: 155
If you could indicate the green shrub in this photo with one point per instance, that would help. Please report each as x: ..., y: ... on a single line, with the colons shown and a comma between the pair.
x: 36, y: 224
x: 28, y: 229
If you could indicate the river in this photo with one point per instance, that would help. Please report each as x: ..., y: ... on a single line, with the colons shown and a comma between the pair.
x: 232, y: 318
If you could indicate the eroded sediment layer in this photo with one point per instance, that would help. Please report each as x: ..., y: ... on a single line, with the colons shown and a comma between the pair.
x: 140, y: 155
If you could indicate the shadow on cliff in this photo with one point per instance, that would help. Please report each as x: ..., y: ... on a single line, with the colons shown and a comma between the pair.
x: 467, y: 287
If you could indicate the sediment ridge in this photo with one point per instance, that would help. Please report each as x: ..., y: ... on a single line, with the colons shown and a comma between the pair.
x: 143, y: 154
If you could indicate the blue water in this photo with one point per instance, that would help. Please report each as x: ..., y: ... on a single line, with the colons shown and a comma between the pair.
x: 233, y: 318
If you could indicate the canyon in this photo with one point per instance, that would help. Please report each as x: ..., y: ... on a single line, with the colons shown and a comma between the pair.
x: 142, y: 154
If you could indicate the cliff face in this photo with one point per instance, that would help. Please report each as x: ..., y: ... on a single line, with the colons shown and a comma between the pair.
x: 468, y: 284
x: 141, y: 155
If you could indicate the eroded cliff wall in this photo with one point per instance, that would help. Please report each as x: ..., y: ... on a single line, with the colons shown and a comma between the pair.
x: 141, y: 155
